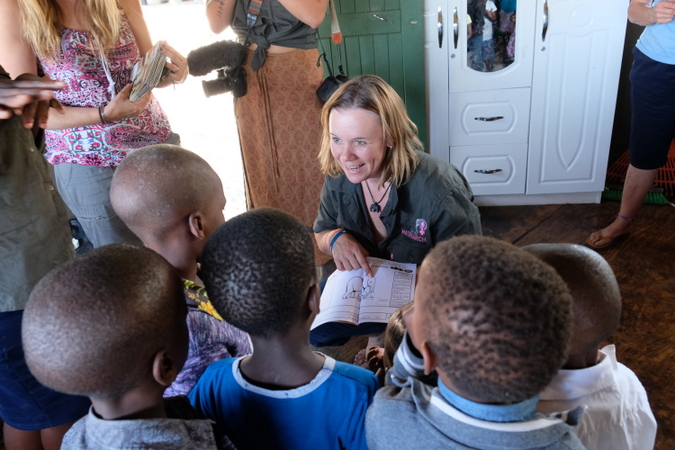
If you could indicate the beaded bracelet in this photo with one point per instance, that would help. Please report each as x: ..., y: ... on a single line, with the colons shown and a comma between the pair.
x: 335, y: 238
x: 101, y: 114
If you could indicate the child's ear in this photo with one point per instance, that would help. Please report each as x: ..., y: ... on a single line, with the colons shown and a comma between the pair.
x: 430, y: 359
x: 314, y: 299
x: 164, y: 368
x: 196, y: 225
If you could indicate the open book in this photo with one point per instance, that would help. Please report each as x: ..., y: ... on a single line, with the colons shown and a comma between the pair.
x: 148, y: 72
x: 354, y: 298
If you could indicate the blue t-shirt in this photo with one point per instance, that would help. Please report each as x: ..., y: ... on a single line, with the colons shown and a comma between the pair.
x: 658, y: 41
x: 328, y: 413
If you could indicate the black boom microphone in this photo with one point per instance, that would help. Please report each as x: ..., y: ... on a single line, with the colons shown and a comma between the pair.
x: 219, y: 55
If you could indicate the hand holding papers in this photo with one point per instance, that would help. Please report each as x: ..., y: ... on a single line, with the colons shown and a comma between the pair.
x: 148, y: 72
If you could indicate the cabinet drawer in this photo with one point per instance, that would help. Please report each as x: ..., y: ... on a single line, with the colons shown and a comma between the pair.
x: 489, y: 117
x: 492, y: 169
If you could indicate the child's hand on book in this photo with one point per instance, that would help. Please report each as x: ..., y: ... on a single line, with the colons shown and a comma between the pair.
x: 350, y: 255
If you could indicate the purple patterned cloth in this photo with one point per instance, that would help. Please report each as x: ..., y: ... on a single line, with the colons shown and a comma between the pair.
x: 88, y: 85
x: 211, y: 339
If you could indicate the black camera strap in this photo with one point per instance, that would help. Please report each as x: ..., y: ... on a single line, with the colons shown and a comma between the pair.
x: 325, y: 58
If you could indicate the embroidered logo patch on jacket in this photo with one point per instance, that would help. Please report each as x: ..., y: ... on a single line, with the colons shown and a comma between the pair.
x: 420, y: 233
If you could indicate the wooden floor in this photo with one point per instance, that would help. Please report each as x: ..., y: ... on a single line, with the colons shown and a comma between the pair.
x: 645, y: 268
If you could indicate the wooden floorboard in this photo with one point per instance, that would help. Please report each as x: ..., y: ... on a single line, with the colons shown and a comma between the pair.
x: 643, y: 264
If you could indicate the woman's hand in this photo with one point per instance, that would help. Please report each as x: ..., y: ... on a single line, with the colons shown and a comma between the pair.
x: 641, y: 13
x: 350, y: 255
x: 30, y: 96
x: 664, y: 11
x: 177, y: 64
x: 122, y: 108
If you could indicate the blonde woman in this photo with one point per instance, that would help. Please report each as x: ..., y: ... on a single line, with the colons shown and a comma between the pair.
x: 91, y: 45
x: 382, y: 195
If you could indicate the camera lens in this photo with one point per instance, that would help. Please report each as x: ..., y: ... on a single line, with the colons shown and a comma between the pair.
x: 215, y: 87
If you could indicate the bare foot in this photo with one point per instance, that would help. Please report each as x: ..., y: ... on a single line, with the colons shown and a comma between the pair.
x: 606, y: 236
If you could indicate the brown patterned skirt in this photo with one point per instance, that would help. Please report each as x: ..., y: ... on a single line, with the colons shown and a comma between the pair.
x: 280, y: 132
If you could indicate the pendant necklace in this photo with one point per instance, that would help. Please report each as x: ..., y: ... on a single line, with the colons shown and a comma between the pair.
x: 375, y: 206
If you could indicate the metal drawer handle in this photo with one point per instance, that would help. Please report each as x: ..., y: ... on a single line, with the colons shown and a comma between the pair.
x: 488, y: 119
x: 455, y: 26
x: 383, y: 19
x: 440, y: 27
x: 487, y: 171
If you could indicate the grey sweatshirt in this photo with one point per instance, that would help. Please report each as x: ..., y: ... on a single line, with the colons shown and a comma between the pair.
x: 409, y: 414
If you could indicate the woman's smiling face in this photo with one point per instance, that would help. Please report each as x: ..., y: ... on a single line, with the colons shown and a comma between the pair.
x: 357, y: 143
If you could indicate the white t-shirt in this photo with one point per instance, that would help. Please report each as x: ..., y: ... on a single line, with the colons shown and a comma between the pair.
x: 487, y: 28
x: 617, y: 416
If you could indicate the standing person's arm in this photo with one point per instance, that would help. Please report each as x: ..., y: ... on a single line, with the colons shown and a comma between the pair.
x: 177, y: 62
x: 310, y: 12
x: 640, y: 13
x: 16, y: 54
x: 219, y: 14
x: 119, y: 108
x: 132, y: 8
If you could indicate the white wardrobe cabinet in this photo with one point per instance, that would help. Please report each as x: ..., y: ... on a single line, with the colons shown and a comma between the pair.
x: 537, y: 128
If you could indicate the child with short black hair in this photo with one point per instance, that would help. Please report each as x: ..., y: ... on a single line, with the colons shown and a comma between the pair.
x: 493, y: 322
x: 618, y: 415
x: 259, y: 271
x: 173, y: 200
x: 380, y: 359
x: 111, y: 325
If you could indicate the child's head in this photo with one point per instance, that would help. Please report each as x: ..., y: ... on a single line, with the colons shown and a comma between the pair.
x: 494, y: 320
x: 393, y: 335
x: 159, y: 188
x: 258, y: 269
x: 107, y: 322
x: 596, y: 299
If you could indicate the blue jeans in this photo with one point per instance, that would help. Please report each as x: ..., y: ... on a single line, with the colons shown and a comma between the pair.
x: 475, y: 53
x: 26, y: 404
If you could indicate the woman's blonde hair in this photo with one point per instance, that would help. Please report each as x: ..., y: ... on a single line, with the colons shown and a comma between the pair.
x: 373, y: 94
x: 42, y: 24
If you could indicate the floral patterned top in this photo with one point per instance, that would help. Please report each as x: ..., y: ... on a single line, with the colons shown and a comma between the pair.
x: 211, y: 339
x: 88, y: 84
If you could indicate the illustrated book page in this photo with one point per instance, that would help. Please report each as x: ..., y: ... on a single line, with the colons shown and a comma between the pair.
x: 355, y: 298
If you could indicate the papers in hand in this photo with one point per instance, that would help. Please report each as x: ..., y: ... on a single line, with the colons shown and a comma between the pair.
x: 147, y: 73
x: 353, y: 297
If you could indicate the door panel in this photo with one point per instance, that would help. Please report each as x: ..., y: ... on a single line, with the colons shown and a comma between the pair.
x: 574, y: 91
x: 383, y: 38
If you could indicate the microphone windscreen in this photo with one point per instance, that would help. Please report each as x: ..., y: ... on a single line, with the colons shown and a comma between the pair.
x: 203, y: 60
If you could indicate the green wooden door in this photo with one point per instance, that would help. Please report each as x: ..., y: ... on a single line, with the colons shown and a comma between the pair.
x: 384, y: 38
